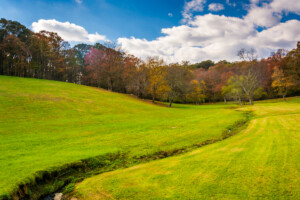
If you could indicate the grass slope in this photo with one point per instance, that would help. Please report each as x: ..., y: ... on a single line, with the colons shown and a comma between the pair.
x: 261, y: 162
x: 44, y: 124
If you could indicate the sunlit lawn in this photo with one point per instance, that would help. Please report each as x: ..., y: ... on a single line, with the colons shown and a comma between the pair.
x: 261, y: 162
x: 45, y: 124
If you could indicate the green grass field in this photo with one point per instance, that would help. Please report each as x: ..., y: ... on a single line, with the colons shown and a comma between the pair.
x: 45, y: 124
x: 261, y: 162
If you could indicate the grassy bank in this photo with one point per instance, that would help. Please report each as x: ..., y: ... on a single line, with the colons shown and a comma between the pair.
x: 261, y: 162
x: 47, y: 124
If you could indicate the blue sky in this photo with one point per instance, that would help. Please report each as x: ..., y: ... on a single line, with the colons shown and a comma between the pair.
x: 114, y: 18
x: 172, y: 29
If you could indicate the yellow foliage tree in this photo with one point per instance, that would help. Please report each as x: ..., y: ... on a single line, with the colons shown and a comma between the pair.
x: 232, y: 89
x: 196, y: 93
x: 281, y: 82
x: 157, y: 74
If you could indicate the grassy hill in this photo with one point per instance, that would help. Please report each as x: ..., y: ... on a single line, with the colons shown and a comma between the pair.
x: 261, y: 162
x: 45, y: 124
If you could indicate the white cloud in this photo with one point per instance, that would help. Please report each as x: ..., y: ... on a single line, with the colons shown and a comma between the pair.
x: 290, y: 6
x: 214, y: 37
x: 190, y: 7
x: 220, y: 37
x: 215, y: 7
x: 283, y: 35
x: 270, y: 14
x: 68, y: 31
x: 170, y: 14
x: 206, y: 37
x: 263, y: 16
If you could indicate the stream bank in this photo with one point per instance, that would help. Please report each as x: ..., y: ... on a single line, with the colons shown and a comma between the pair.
x: 63, y: 179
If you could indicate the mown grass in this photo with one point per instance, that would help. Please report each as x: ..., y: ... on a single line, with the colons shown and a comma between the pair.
x: 46, y: 124
x: 261, y: 162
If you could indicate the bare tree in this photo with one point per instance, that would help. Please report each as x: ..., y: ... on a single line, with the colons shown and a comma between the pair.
x: 249, y: 84
x: 249, y: 55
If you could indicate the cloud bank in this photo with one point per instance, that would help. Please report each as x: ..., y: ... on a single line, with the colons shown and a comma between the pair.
x: 218, y: 37
x: 68, y: 31
x: 203, y: 37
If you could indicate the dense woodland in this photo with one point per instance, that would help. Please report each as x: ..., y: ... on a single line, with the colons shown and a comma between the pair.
x: 46, y: 55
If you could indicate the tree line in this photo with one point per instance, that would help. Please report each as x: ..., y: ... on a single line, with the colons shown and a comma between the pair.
x: 46, y: 55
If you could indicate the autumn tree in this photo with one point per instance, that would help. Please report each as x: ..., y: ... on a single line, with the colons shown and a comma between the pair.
x: 277, y: 59
x: 177, y: 79
x: 46, y: 55
x: 111, y: 68
x: 14, y: 54
x: 40, y: 55
x: 80, y: 51
x: 48, y: 51
x: 93, y: 60
x: 224, y: 74
x: 140, y: 82
x: 249, y: 84
x: 212, y: 78
x: 72, y: 72
x: 249, y: 77
x: 13, y: 36
x: 156, y: 75
x: 233, y: 89
x: 196, y: 93
x: 104, y: 68
x: 131, y: 65
x: 292, y: 65
x: 281, y: 82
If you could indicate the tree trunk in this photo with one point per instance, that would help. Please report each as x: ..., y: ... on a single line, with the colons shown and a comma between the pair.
x: 110, y: 84
x: 240, y: 101
x: 251, y: 101
x: 225, y: 100
x: 153, y: 95
x: 283, y: 96
x: 170, y: 104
